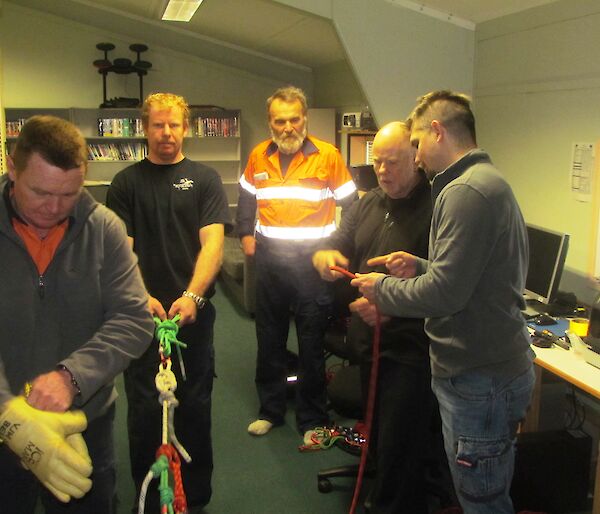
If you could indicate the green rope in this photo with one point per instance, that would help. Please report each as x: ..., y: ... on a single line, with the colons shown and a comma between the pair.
x: 326, y: 437
x: 165, y: 491
x: 161, y: 464
x: 166, y: 334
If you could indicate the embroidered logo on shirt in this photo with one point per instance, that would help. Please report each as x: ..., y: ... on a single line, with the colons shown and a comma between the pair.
x: 184, y: 184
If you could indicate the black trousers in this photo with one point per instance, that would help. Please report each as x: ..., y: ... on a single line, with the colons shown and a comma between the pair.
x: 286, y: 280
x: 20, y: 489
x: 401, y: 436
x: 192, y: 416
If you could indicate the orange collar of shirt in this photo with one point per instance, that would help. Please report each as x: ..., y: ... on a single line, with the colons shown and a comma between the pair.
x: 41, y: 250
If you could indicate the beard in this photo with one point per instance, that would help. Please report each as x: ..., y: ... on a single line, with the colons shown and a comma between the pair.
x: 291, y: 143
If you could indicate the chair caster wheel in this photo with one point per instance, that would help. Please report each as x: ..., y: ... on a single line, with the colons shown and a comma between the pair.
x: 325, y: 486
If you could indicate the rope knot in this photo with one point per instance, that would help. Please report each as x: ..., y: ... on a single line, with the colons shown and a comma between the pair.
x: 169, y: 397
x: 178, y: 498
x: 166, y: 332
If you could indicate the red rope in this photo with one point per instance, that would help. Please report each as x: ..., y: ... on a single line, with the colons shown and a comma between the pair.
x: 370, y: 399
x: 343, y: 271
x: 169, y: 451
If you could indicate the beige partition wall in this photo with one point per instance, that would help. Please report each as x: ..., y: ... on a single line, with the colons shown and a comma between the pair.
x: 2, y: 124
x: 537, y: 92
x: 594, y: 263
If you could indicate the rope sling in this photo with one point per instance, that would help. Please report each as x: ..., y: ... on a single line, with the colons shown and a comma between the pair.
x: 167, y: 466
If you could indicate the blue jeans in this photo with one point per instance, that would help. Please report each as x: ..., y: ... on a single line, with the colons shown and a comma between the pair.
x: 480, y: 415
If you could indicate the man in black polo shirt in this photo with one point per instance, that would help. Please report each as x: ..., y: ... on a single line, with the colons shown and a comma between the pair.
x: 175, y: 211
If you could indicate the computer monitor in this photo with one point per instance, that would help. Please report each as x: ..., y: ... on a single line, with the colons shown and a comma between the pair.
x: 364, y: 177
x: 547, y: 253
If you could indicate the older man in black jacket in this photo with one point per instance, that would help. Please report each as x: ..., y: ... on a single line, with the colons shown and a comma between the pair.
x: 396, y: 215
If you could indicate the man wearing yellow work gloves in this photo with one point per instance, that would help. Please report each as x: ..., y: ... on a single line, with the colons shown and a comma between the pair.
x: 50, y: 445
x: 73, y: 313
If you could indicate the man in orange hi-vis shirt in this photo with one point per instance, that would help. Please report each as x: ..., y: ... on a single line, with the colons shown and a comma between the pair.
x: 293, y: 181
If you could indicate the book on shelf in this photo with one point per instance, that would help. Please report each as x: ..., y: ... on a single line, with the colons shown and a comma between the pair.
x: 117, y: 151
x: 13, y: 128
x: 369, y: 152
x: 212, y: 126
x: 120, y: 127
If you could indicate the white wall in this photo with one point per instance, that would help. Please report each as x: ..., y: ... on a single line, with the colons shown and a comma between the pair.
x: 50, y: 59
x: 48, y: 63
x: 537, y: 91
x: 335, y: 85
x: 398, y: 54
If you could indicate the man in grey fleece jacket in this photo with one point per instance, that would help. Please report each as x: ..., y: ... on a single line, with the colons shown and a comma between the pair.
x: 470, y: 292
x: 73, y: 312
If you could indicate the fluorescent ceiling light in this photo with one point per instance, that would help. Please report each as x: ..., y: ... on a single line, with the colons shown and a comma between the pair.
x: 181, y: 10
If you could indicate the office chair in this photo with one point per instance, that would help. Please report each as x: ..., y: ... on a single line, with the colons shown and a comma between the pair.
x: 345, y: 398
x: 344, y: 391
x: 364, y: 177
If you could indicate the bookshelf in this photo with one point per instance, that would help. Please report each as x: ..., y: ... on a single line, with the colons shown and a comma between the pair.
x: 214, y: 139
x: 115, y: 140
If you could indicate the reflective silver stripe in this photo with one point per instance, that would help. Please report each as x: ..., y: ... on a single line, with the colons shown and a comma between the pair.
x: 247, y: 186
x: 293, y: 193
x: 343, y: 191
x: 295, y: 232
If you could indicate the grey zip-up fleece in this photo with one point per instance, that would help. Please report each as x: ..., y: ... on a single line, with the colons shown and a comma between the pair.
x: 470, y: 290
x: 88, y: 311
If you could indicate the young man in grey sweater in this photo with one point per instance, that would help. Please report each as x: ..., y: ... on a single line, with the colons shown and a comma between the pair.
x: 470, y: 292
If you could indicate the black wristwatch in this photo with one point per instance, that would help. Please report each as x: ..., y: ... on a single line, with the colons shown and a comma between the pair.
x: 199, y: 300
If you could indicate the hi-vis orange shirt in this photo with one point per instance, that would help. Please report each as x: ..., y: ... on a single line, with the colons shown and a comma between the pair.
x: 301, y: 204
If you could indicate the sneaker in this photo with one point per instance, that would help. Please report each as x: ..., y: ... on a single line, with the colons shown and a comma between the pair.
x: 259, y: 427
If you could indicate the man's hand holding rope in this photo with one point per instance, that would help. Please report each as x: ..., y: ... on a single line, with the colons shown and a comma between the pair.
x: 184, y: 306
x: 366, y: 284
x: 156, y: 309
x: 326, y: 262
x: 367, y: 311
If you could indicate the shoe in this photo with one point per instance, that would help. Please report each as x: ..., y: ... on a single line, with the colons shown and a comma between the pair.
x: 259, y: 427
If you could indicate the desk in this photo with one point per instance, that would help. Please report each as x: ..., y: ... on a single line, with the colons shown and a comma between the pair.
x: 573, y: 369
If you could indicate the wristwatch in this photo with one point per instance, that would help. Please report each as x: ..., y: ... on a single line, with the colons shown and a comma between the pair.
x: 200, y: 300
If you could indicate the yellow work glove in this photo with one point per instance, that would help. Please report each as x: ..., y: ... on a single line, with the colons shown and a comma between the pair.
x: 50, y: 445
